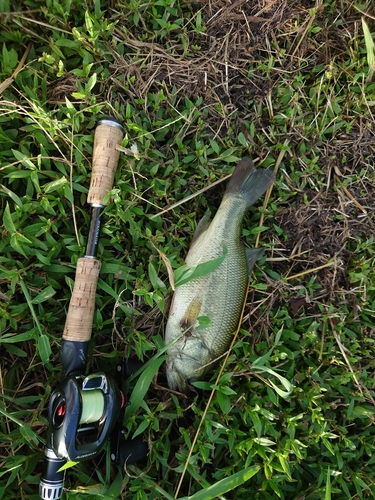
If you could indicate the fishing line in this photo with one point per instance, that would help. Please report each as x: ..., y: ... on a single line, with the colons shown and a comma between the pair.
x: 92, y: 406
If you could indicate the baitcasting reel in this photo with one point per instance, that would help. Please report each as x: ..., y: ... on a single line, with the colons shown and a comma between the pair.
x: 84, y: 413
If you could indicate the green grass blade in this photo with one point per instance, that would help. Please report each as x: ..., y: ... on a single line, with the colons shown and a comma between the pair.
x: 142, y: 385
x: 224, y: 485
x: 328, y: 486
x: 45, y: 352
x: 370, y: 46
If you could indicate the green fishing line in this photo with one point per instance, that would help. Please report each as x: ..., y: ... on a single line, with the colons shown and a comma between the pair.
x: 92, y: 406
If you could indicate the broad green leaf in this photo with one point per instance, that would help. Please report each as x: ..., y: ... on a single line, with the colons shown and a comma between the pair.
x: 11, y: 195
x: 42, y: 258
x: 230, y: 159
x: 288, y: 386
x: 68, y: 193
x: 370, y: 46
x: 227, y: 390
x: 258, y: 229
x: 44, y: 348
x: 114, y: 491
x: 91, y: 83
x: 143, y: 384
x: 58, y: 268
x: 24, y: 159
x: 363, y: 412
x: 68, y: 465
x: 256, y: 422
x: 260, y: 361
x: 8, y: 221
x: 95, y: 490
x: 30, y: 304
x: 44, y: 295
x: 28, y: 434
x: 21, y: 238
x: 102, y: 285
x: 153, y: 275
x: 11, y: 338
x: 54, y: 185
x: 205, y: 386
x: 25, y: 429
x: 328, y: 486
x: 285, y: 465
x: 120, y: 270
x: 141, y: 428
x: 185, y: 274
x: 19, y: 174
x: 224, y: 485
x: 15, y: 243
x: 264, y: 441
x: 223, y: 401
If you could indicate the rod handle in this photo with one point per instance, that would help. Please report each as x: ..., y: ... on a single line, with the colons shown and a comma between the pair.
x: 78, y: 325
x: 108, y: 135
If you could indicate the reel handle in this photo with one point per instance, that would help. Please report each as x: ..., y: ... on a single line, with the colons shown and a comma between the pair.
x: 78, y: 325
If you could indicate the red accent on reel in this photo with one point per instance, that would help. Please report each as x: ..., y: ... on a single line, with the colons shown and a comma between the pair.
x: 61, y: 410
x: 122, y: 399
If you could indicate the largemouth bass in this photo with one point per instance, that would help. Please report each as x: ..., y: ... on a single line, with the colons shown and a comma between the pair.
x: 219, y: 295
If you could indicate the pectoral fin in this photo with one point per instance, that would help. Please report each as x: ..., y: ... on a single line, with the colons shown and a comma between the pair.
x: 252, y: 255
x: 191, y: 314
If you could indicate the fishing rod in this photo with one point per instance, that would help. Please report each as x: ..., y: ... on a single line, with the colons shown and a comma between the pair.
x: 86, y: 410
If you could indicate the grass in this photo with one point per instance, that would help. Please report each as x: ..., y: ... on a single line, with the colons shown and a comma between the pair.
x: 198, y: 86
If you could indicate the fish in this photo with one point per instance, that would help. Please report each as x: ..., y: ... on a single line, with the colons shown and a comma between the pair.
x: 206, y: 310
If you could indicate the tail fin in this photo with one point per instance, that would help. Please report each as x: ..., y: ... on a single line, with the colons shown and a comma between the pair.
x: 249, y: 182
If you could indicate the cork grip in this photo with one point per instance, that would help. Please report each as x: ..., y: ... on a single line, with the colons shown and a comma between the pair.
x: 78, y: 325
x: 108, y: 135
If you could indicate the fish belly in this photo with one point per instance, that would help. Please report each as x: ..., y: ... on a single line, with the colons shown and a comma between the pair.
x: 220, y: 295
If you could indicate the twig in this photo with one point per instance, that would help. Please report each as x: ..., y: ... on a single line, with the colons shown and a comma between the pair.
x: 10, y: 80
x: 191, y: 196
x: 269, y: 191
x: 71, y: 187
x: 351, y: 197
x: 298, y: 275
x: 341, y: 347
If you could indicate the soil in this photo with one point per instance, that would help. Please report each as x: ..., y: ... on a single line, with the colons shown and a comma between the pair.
x: 325, y: 228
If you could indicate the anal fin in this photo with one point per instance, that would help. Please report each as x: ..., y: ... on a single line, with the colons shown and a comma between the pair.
x: 252, y: 256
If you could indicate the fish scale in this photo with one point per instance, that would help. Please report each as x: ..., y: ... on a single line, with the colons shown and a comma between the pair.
x: 220, y: 294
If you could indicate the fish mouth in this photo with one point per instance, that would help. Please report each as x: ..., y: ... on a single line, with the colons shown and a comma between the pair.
x: 181, y: 373
x: 187, y: 363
